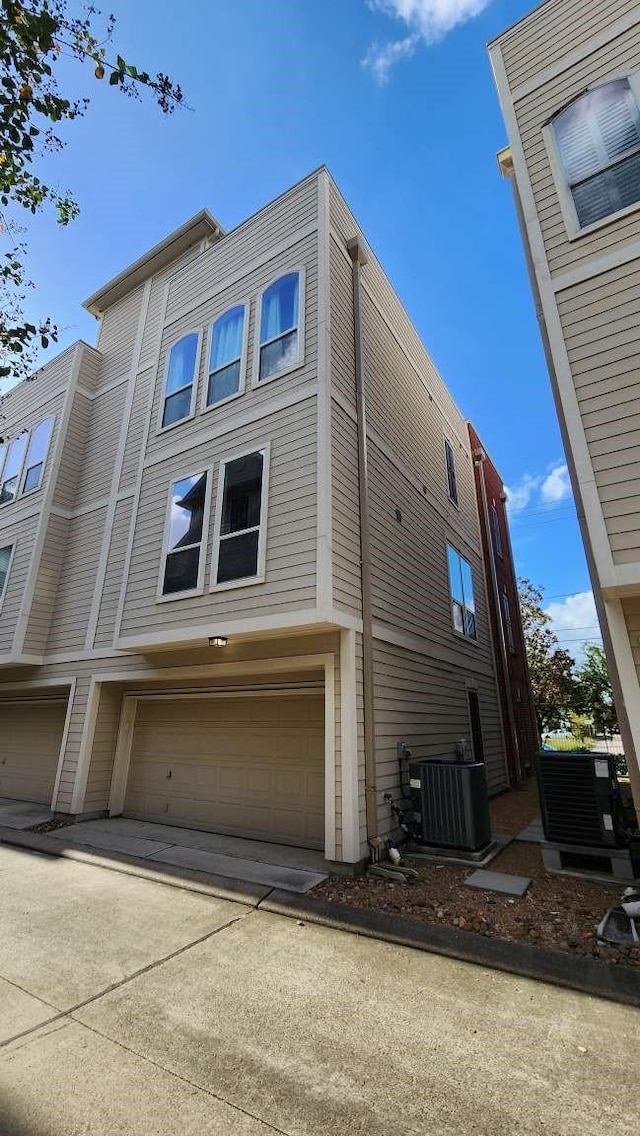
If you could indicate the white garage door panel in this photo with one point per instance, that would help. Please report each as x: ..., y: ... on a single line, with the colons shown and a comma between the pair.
x: 247, y: 766
x: 30, y: 740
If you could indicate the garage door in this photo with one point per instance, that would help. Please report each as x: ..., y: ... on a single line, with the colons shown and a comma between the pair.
x: 248, y: 765
x: 30, y: 740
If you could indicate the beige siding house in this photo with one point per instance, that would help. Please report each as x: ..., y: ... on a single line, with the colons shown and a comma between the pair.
x: 568, y: 77
x: 233, y: 574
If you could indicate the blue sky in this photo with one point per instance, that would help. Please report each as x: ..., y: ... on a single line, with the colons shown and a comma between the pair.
x: 397, y: 98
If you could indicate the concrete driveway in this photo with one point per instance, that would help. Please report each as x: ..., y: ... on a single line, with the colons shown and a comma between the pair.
x: 129, y: 1007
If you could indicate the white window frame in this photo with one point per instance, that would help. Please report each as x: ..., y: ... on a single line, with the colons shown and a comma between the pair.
x: 202, y: 563
x: 449, y: 443
x: 4, y: 504
x: 461, y: 634
x: 205, y: 407
x: 12, y: 545
x: 160, y: 429
x: 259, y: 578
x: 25, y: 468
x: 565, y: 196
x: 256, y: 380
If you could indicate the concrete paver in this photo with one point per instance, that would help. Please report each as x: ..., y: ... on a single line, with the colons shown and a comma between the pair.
x: 273, y: 1025
x: 68, y: 930
x: 274, y: 875
x: 65, y: 1080
x: 110, y: 842
x: 19, y: 1011
x: 22, y: 814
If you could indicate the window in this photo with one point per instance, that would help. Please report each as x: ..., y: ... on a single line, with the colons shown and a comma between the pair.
x: 451, y: 472
x: 242, y: 494
x: 598, y: 142
x: 226, y: 355
x: 179, y: 381
x: 506, y: 620
x: 461, y: 587
x: 36, y: 455
x: 6, y: 556
x: 495, y: 529
x: 13, y: 468
x: 182, y: 568
x: 476, y: 725
x: 280, y: 335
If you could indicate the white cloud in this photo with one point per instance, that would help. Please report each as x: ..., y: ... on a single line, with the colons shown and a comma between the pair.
x: 520, y: 495
x: 426, y: 20
x: 556, y: 485
x: 575, y: 621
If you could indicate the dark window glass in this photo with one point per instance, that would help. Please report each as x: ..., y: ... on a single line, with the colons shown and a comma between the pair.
x: 32, y: 477
x: 497, y: 536
x: 176, y: 407
x: 476, y: 726
x: 184, y: 538
x: 5, y: 560
x: 241, y: 513
x: 181, y: 571
x: 238, y: 557
x: 223, y: 383
x: 451, y: 473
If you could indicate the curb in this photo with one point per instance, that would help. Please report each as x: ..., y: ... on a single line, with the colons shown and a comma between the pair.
x: 618, y: 983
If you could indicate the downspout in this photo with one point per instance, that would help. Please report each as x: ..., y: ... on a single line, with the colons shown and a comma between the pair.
x: 358, y: 253
x: 479, y: 460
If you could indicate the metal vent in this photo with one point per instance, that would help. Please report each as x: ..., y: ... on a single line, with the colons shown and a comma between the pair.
x: 450, y: 803
x: 579, y: 799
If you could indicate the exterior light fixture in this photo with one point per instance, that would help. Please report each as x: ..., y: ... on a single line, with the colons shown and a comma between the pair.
x: 218, y: 641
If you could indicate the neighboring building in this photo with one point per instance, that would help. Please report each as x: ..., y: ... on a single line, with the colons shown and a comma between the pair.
x: 516, y: 700
x: 569, y: 83
x: 188, y: 631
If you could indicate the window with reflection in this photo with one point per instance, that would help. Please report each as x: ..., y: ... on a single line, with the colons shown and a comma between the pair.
x: 225, y: 355
x: 241, y: 522
x: 279, y: 326
x: 183, y: 545
x: 13, y: 468
x: 36, y: 455
x: 463, y: 608
x: 180, y: 377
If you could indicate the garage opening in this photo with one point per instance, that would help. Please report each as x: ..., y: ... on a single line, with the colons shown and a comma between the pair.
x: 31, y: 737
x: 240, y: 763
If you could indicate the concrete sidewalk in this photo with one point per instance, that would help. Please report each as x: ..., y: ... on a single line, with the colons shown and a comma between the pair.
x: 139, y: 1009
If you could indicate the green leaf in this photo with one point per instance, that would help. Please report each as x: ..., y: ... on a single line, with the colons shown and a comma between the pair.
x: 121, y: 63
x: 114, y: 78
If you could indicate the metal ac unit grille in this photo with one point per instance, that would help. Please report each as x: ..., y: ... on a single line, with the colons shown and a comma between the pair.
x: 450, y: 803
x: 578, y: 806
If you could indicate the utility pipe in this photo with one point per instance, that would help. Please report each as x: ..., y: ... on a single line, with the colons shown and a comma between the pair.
x: 359, y: 256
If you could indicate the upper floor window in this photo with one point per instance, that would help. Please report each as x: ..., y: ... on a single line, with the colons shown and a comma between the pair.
x: 180, y: 379
x: 463, y: 606
x: 6, y: 556
x: 36, y: 455
x: 495, y: 529
x: 13, y: 468
x: 239, y: 547
x: 183, y: 566
x: 598, y: 141
x: 280, y: 335
x: 226, y: 355
x: 451, y: 472
x: 506, y: 620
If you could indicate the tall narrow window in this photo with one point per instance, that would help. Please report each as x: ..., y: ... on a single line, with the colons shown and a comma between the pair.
x: 241, y: 520
x: 226, y: 355
x: 181, y: 373
x: 495, y: 529
x: 36, y: 455
x: 451, y: 472
x: 13, y: 468
x: 183, y: 568
x: 598, y: 140
x: 476, y: 725
x: 506, y: 620
x: 6, y: 555
x: 463, y: 608
x: 280, y: 326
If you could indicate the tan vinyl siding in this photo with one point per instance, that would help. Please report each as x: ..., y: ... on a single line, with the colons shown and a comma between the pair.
x: 136, y: 429
x: 103, y: 749
x: 291, y: 529
x: 101, y: 446
x: 619, y: 57
x: 36, y: 394
x: 22, y: 537
x: 552, y: 31
x: 77, y: 579
x: 601, y: 325
x: 152, y: 326
x: 113, y: 578
x: 341, y: 307
x: 46, y: 587
x: 347, y: 583
x: 302, y: 254
x: 252, y: 240
x: 74, y: 735
x: 425, y: 705
x: 118, y: 330
x: 69, y: 470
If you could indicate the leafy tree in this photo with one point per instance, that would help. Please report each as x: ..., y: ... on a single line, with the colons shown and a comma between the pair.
x: 34, y: 35
x: 550, y: 667
x: 594, y: 696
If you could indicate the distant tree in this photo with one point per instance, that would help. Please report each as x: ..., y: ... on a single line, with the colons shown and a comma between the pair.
x: 593, y: 694
x: 550, y: 667
x: 34, y: 35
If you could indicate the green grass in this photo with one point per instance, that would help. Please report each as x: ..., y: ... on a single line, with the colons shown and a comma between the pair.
x: 570, y: 745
